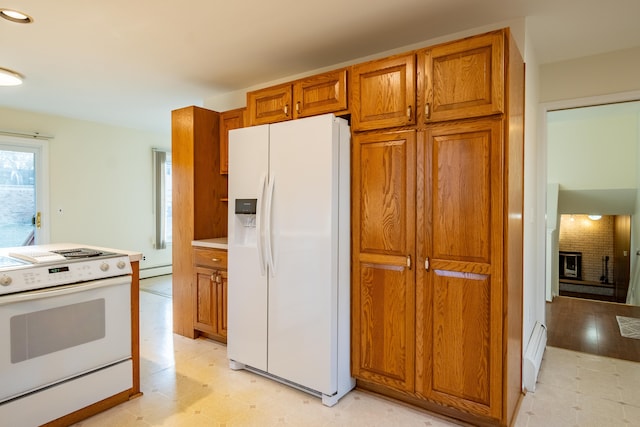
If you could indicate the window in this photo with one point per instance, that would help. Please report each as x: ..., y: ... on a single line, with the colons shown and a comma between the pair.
x: 162, y: 196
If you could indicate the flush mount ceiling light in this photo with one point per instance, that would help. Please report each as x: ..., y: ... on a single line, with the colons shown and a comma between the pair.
x: 595, y: 217
x: 9, y: 78
x: 15, y: 16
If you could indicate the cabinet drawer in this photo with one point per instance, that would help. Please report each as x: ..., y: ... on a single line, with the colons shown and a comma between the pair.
x: 214, y: 258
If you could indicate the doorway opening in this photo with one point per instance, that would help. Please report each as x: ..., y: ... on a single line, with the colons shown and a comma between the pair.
x: 593, y: 163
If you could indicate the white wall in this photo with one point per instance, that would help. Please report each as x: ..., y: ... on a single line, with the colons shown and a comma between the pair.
x: 100, y: 176
x: 593, y: 148
x: 614, y: 72
x: 534, y: 203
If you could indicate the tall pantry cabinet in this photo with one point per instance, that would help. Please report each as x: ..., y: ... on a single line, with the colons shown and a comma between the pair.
x: 199, y: 207
x: 437, y: 235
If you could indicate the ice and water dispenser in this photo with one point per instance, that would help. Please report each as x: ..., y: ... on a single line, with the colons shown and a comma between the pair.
x: 245, y: 231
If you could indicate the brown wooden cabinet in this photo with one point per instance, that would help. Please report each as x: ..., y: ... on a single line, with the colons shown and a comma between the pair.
x: 437, y: 257
x: 270, y: 105
x: 383, y: 249
x: 459, y: 278
x: 319, y: 94
x: 198, y: 209
x: 232, y: 119
x: 462, y: 79
x: 210, y: 294
x: 383, y: 93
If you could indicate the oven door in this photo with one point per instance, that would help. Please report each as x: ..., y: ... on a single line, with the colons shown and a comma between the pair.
x: 50, y: 335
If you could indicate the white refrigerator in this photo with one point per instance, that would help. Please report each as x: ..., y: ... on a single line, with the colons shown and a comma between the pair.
x: 288, y: 254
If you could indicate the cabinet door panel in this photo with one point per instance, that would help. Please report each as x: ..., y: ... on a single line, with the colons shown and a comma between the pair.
x: 459, y: 295
x: 324, y: 93
x: 205, y: 310
x: 461, y: 341
x: 383, y: 93
x: 385, y: 332
x: 383, y: 289
x: 461, y: 196
x: 384, y: 198
x: 270, y: 105
x: 463, y: 79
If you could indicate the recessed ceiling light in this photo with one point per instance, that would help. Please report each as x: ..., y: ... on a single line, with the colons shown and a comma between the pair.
x: 9, y: 78
x: 15, y: 16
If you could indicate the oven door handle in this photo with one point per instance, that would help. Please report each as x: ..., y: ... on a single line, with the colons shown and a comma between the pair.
x: 64, y: 290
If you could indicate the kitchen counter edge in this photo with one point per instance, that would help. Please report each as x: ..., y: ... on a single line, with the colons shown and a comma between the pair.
x: 217, y: 243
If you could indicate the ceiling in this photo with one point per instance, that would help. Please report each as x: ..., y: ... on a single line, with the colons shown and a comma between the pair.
x: 129, y: 63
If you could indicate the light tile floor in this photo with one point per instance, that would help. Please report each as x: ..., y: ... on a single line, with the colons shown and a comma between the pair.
x: 188, y: 383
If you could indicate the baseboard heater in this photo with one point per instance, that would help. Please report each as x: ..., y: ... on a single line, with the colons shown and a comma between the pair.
x: 533, y: 356
x: 160, y: 270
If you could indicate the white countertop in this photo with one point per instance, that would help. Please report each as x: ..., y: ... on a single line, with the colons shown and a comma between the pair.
x: 217, y: 243
x: 133, y: 256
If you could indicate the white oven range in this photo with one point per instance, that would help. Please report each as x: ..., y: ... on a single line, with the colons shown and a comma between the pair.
x: 65, y: 332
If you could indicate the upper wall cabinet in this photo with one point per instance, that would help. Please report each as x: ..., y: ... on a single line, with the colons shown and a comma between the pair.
x: 383, y: 93
x: 462, y: 79
x: 323, y: 93
x: 232, y: 119
x: 269, y: 105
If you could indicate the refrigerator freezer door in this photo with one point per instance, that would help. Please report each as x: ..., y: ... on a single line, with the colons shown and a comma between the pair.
x: 304, y: 239
x: 247, y: 293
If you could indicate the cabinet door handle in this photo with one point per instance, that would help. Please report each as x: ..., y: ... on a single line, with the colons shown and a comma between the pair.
x: 298, y: 107
x: 409, y: 112
x: 409, y: 262
x: 286, y: 110
x: 426, y: 263
x: 215, y: 259
x: 427, y: 110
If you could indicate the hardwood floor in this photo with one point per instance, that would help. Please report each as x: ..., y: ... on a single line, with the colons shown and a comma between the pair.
x: 590, y: 326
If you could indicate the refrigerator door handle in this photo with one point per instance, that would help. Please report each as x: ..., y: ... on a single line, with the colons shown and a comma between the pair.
x: 269, y: 213
x: 259, y: 228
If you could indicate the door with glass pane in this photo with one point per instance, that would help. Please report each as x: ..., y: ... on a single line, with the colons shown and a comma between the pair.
x: 20, y: 218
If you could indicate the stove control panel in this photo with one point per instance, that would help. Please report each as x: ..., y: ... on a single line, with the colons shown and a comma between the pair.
x: 38, y: 276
